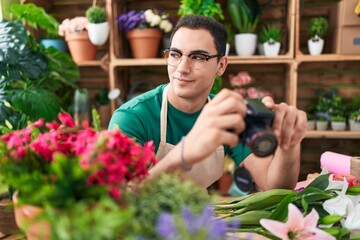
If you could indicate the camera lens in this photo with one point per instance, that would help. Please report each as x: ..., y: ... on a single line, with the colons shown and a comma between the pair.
x: 263, y: 144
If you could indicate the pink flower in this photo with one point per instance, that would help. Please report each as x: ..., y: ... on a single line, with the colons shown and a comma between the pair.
x: 76, y: 24
x: 297, y: 227
x: 241, y: 79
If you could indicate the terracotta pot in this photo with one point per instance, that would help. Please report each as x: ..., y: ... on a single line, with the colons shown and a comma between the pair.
x: 25, y: 217
x: 144, y: 42
x: 224, y: 183
x: 80, y: 47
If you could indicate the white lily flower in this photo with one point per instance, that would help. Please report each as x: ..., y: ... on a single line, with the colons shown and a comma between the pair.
x: 352, y: 222
x: 341, y: 205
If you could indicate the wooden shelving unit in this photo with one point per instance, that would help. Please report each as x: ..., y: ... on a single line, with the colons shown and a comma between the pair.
x: 119, y: 63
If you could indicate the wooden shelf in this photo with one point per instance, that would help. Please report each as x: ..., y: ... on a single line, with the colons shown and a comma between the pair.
x: 256, y: 59
x: 129, y: 62
x: 333, y: 134
x: 94, y: 63
x: 326, y: 58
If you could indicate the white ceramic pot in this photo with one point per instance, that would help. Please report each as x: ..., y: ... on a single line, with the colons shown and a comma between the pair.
x: 227, y: 49
x: 338, y: 126
x: 98, y: 33
x: 354, y: 126
x: 310, y: 125
x: 315, y: 47
x: 321, y: 125
x: 245, y: 44
x: 271, y: 49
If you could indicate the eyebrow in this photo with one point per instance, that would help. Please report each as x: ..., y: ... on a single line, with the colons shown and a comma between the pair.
x: 191, y: 52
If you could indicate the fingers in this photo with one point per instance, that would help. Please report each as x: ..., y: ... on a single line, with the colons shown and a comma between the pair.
x: 289, y: 125
x: 268, y: 102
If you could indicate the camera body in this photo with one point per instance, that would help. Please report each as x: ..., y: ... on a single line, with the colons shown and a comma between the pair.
x: 258, y: 134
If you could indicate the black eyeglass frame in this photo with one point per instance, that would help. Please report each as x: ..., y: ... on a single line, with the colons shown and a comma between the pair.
x: 207, y: 57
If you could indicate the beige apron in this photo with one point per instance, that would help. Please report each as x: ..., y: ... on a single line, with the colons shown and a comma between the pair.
x: 203, y: 173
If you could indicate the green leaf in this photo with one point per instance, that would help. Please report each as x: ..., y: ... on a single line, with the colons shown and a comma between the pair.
x: 36, y: 103
x: 251, y: 217
x: 13, y: 40
x: 281, y: 211
x: 330, y: 219
x: 35, y: 16
x: 321, y: 182
x: 312, y: 194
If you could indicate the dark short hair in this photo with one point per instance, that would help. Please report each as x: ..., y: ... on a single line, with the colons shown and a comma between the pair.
x: 216, y: 29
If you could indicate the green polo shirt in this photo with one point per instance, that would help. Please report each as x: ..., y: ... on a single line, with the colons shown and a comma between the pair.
x: 140, y: 119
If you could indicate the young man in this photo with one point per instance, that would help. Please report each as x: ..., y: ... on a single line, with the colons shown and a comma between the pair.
x: 191, y: 132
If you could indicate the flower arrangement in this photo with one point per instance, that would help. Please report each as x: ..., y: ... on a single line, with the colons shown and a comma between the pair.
x: 150, y: 18
x: 327, y: 208
x: 77, y: 24
x: 56, y: 167
x: 83, y: 180
x: 241, y: 80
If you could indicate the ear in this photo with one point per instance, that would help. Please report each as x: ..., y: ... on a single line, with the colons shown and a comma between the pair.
x: 222, y: 66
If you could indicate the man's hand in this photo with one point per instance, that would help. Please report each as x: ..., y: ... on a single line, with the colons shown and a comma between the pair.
x: 220, y: 123
x: 289, y: 125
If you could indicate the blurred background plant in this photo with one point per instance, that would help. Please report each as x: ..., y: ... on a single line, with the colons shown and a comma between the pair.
x: 209, y: 8
x: 35, y: 82
x: 242, y: 83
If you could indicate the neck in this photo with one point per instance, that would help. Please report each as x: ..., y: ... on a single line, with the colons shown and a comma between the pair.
x: 188, y: 105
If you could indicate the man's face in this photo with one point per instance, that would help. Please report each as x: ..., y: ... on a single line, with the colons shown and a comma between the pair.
x: 187, y: 80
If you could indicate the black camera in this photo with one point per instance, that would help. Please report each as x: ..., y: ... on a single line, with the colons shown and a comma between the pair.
x: 258, y: 135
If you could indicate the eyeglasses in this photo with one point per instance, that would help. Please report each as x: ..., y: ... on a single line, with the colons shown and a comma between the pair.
x: 197, y: 60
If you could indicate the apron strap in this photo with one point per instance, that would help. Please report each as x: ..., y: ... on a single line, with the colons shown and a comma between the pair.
x: 163, y: 115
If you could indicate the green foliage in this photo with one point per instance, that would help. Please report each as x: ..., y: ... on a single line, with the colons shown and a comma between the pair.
x: 165, y: 193
x: 208, y: 8
x: 329, y: 103
x: 101, y: 96
x: 34, y: 16
x: 317, y: 27
x: 273, y: 204
x: 96, y: 14
x: 244, y: 14
x: 103, y: 220
x: 270, y: 33
x: 217, y: 86
x: 34, y: 81
x: 338, y: 118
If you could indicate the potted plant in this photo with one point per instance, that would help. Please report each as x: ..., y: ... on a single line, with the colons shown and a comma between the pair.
x: 270, y: 36
x: 85, y: 179
x: 98, y: 27
x: 245, y: 17
x: 354, y: 121
x: 144, y: 29
x: 76, y: 35
x: 76, y: 175
x: 36, y: 82
x: 338, y: 123
x: 317, y: 28
x: 310, y: 124
x: 321, y: 123
x: 35, y: 16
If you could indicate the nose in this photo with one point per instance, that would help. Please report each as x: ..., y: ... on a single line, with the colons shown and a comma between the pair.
x: 184, y: 65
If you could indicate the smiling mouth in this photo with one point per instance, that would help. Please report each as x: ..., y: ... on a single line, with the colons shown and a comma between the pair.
x: 183, y: 80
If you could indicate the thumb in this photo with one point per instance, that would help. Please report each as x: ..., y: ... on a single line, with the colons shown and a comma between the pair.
x: 268, y: 102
